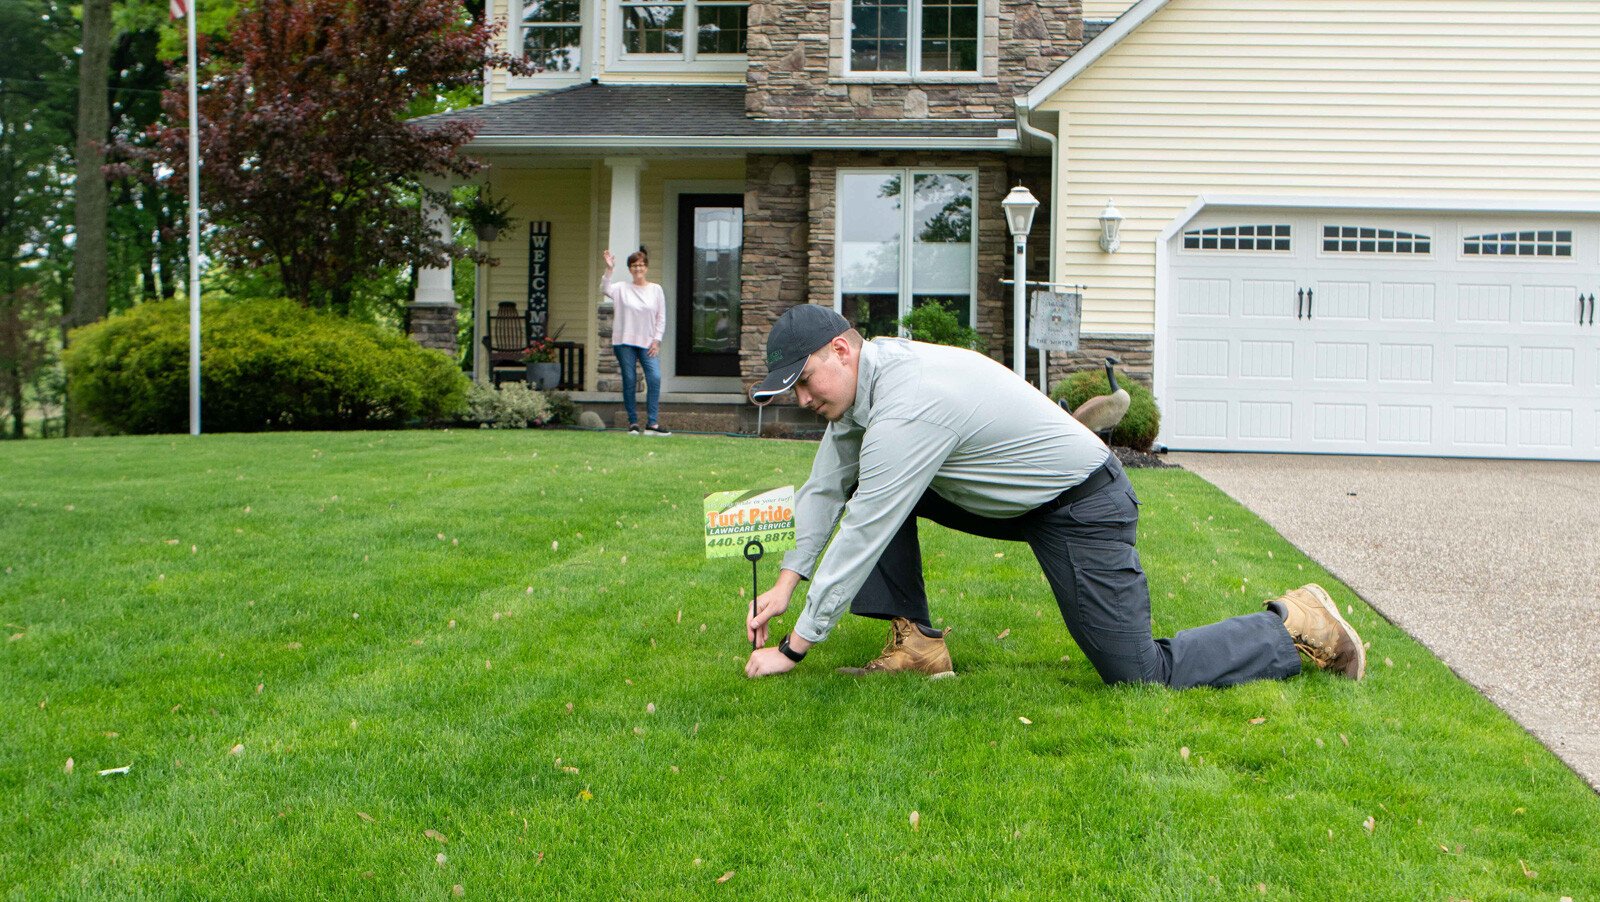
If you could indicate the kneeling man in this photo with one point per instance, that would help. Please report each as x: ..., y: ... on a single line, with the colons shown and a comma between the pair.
x: 949, y: 435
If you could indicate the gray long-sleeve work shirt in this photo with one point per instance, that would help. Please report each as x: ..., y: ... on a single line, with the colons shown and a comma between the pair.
x: 925, y: 416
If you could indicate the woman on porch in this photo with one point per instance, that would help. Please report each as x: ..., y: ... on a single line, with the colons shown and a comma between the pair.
x: 641, y: 320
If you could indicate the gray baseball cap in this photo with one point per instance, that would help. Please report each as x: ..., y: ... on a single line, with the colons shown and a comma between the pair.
x: 797, y: 334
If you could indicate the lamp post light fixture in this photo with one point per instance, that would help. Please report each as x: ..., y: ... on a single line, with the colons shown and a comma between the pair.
x: 1110, y: 225
x: 1020, y: 205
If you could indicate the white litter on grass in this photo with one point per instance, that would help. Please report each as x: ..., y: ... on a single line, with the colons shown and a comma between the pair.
x: 116, y: 770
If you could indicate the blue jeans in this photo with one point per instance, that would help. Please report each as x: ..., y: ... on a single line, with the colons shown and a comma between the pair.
x: 629, y: 357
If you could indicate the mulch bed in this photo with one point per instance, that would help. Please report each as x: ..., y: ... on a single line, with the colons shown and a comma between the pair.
x: 1132, y: 459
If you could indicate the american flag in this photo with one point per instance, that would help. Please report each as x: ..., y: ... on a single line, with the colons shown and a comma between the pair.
x: 177, y: 9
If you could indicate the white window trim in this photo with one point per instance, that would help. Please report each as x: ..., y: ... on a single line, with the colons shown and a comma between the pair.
x: 619, y: 60
x: 914, y: 70
x: 587, y: 47
x: 907, y: 175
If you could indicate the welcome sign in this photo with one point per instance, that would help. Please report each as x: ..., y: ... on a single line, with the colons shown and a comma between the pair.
x: 538, y: 279
x: 734, y: 519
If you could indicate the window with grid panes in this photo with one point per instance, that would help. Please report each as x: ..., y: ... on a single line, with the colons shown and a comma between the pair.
x: 1535, y: 243
x: 1238, y: 238
x: 914, y: 36
x: 1340, y: 239
x: 552, y: 34
x: 658, y: 28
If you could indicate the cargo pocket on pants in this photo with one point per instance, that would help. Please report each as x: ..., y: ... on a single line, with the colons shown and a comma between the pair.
x: 1113, y: 611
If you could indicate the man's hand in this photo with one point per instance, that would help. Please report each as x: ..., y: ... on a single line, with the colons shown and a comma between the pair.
x: 767, y: 661
x: 769, y: 604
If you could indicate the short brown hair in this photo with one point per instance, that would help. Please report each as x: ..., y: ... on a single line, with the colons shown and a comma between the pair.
x: 640, y: 256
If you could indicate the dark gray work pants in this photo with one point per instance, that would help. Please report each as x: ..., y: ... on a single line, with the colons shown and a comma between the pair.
x: 1086, y: 550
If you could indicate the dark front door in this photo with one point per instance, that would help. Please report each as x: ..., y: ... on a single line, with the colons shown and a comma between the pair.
x: 710, y: 242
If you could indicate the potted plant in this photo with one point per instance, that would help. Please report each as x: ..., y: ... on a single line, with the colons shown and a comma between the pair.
x: 488, y: 216
x: 544, y: 368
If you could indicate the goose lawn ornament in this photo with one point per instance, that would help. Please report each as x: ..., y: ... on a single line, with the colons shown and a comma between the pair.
x: 1102, y: 413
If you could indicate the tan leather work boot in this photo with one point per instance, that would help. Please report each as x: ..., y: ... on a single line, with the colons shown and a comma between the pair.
x: 908, y: 649
x: 1321, y: 633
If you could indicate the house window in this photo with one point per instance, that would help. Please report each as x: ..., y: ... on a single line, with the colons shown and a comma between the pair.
x: 1338, y: 239
x: 1539, y: 243
x: 914, y: 36
x: 552, y: 34
x: 1238, y: 238
x: 659, y: 28
x: 897, y: 252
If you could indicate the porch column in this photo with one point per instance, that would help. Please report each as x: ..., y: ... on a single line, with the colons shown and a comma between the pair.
x: 432, y: 312
x: 623, y: 236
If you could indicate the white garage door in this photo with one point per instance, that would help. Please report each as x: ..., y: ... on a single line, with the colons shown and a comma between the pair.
x: 1362, y: 333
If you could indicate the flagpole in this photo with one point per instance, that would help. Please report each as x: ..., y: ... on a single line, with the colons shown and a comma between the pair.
x: 194, y: 230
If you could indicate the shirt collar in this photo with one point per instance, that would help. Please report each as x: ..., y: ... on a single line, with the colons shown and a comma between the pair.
x: 866, y: 368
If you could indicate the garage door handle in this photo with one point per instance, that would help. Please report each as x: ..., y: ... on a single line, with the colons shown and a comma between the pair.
x: 1300, y: 303
x: 1308, y: 303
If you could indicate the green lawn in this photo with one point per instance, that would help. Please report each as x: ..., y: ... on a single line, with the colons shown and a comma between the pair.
x: 313, y: 649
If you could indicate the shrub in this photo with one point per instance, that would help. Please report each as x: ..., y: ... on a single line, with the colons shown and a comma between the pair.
x: 1138, y: 428
x: 265, y: 364
x: 563, y: 411
x: 934, y: 323
x: 511, y: 406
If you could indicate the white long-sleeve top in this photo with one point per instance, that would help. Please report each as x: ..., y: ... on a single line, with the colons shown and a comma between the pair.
x: 925, y: 417
x: 641, y: 312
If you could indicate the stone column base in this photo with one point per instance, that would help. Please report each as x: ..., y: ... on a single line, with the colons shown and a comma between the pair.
x: 433, y: 326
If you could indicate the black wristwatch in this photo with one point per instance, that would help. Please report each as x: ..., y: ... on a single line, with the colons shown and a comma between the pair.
x: 791, y: 654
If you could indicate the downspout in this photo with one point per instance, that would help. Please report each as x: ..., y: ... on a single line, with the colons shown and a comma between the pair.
x: 1028, y: 128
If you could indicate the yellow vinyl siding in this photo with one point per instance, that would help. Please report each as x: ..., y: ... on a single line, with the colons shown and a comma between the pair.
x: 1415, y: 98
x: 561, y: 197
x: 1105, y: 9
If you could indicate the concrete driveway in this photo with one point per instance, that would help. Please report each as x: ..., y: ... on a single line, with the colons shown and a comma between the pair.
x: 1493, y: 565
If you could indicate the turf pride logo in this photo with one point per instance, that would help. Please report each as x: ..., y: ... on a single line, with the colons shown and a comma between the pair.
x: 735, y: 518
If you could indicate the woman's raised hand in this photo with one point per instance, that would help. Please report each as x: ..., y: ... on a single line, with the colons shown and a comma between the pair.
x: 611, y: 260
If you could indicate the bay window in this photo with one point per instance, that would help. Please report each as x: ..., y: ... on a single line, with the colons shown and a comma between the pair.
x: 898, y: 251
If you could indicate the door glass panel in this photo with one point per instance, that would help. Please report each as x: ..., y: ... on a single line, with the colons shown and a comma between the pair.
x: 941, y: 248
x: 714, y: 318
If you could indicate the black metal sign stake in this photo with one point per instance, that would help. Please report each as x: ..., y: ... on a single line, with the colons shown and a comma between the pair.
x: 752, y: 553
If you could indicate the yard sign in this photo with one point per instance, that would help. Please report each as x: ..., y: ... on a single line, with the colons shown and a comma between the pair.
x: 735, y: 518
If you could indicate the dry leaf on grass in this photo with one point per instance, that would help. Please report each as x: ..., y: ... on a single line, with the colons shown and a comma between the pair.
x: 69, y: 766
x: 650, y: 708
x: 237, y: 750
x: 1184, y: 753
x: 1527, y: 871
x: 1004, y: 633
x: 1024, y: 720
x: 1257, y: 721
x: 916, y: 821
x: 1370, y: 823
x: 436, y: 836
x: 458, y: 890
x: 1344, y: 739
x: 725, y: 877
x: 364, y: 816
x: 439, y: 859
x: 569, y: 769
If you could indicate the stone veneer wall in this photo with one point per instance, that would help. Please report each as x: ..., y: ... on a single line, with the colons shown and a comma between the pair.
x: 777, y: 244
x: 433, y: 326
x: 797, y: 53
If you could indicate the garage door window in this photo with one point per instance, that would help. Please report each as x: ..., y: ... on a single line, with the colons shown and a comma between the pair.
x: 1238, y: 238
x: 1343, y: 239
x: 1539, y: 243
